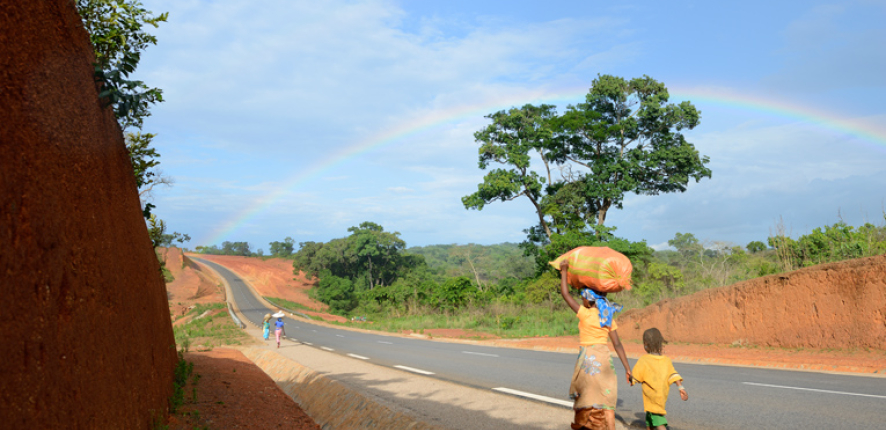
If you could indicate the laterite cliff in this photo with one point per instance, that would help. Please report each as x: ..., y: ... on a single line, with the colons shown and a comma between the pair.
x: 837, y: 305
x: 84, y: 323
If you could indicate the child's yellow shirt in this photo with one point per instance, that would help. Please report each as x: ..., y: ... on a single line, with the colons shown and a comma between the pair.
x: 656, y: 373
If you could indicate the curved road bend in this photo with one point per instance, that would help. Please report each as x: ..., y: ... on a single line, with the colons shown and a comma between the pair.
x: 721, y: 397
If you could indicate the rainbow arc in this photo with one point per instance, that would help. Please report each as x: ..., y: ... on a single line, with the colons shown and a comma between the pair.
x: 700, y: 97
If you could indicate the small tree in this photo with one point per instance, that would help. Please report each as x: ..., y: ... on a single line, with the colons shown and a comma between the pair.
x: 336, y: 292
x: 282, y: 249
x: 756, y: 246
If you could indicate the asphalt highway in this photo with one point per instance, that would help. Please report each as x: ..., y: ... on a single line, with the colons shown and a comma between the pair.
x: 720, y: 397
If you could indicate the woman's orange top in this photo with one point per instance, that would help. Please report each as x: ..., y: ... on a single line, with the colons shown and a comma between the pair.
x: 589, y: 330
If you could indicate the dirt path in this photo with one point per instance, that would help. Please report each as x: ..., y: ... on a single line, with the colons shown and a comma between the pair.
x: 232, y: 392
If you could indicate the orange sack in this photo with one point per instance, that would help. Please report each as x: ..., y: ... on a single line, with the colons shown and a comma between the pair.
x: 598, y: 268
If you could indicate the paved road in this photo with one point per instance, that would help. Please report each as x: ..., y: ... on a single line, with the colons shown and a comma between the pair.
x: 721, y: 397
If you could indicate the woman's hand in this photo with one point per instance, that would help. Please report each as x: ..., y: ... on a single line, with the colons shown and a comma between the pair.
x: 564, y: 287
x: 630, y: 379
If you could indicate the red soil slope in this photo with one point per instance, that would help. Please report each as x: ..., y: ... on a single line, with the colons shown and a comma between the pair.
x: 837, y: 305
x: 84, y: 324
x: 192, y: 283
x: 272, y: 277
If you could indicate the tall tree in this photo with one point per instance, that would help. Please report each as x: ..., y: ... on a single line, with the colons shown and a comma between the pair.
x: 377, y: 252
x: 511, y: 140
x: 627, y: 138
x: 624, y: 138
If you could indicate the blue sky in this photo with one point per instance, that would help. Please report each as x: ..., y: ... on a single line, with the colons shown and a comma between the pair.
x: 305, y: 118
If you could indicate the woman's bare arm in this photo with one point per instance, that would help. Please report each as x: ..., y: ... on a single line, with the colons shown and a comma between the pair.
x: 616, y: 342
x: 564, y: 288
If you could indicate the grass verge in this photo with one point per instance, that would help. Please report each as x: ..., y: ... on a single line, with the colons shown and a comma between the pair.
x: 500, y: 319
x: 283, y: 303
x: 215, y: 328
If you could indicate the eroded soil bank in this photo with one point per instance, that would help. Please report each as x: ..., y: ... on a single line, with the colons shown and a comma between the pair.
x: 829, y: 306
x: 85, y: 335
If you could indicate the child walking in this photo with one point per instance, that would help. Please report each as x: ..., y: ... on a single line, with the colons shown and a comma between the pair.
x: 656, y: 373
x: 594, y: 387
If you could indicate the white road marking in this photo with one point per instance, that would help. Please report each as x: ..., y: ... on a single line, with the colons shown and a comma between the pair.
x: 480, y: 353
x: 327, y: 348
x: 314, y: 331
x: 410, y: 369
x: 308, y: 343
x: 339, y: 335
x: 534, y: 396
x: 358, y: 356
x: 815, y: 390
x: 386, y: 343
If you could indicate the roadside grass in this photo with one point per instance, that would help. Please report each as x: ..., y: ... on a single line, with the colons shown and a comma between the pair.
x: 283, y: 303
x: 215, y: 329
x: 504, y: 320
x: 183, y: 401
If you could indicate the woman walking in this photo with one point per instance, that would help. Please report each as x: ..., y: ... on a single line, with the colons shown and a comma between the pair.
x: 266, y: 327
x: 594, y: 386
x: 279, y: 324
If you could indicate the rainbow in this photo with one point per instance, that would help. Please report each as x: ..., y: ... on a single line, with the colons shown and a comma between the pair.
x: 700, y: 97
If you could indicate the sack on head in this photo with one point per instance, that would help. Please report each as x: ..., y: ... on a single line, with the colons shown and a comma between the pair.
x: 599, y: 268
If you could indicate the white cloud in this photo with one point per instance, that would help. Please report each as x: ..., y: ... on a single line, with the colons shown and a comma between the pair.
x: 661, y: 246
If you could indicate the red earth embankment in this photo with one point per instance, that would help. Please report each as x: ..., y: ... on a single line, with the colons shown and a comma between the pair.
x: 84, y: 324
x: 274, y: 277
x: 837, y: 305
x: 192, y: 284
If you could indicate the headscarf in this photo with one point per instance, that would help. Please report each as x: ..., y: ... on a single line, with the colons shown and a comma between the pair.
x: 607, y: 309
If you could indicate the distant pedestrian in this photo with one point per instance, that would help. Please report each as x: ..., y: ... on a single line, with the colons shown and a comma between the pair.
x: 656, y: 373
x: 280, y: 331
x: 594, y: 387
x: 266, y: 327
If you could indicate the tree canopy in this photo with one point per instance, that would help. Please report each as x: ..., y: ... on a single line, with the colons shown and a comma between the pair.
x: 625, y: 137
x: 227, y: 248
x: 282, y: 249
x: 117, y: 30
x: 370, y: 257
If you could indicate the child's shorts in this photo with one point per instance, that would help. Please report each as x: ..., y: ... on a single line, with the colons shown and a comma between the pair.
x: 653, y: 420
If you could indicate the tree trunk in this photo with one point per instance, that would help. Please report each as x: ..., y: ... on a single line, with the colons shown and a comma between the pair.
x: 601, y: 214
x: 476, y: 275
x: 371, y: 278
